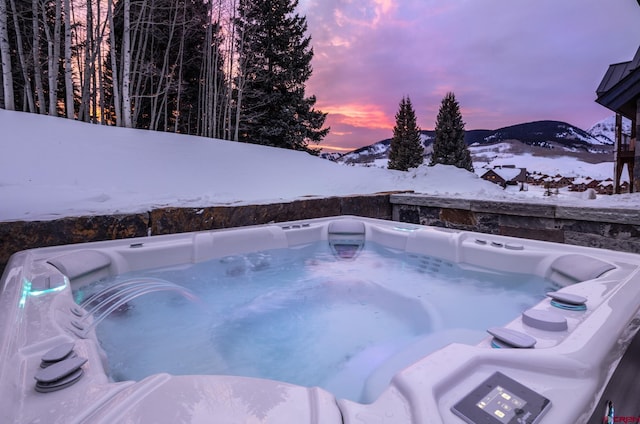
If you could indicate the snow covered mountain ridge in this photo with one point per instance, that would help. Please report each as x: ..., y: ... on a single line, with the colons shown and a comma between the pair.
x: 540, y: 138
x: 605, y: 130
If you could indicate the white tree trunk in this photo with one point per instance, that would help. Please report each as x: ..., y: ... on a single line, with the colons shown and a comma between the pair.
x: 37, y: 69
x: 140, y: 40
x: 239, y: 87
x: 5, y: 58
x: 68, y: 71
x: 98, y: 62
x: 126, y: 65
x: 204, y: 117
x: 54, y: 59
x: 181, y: 63
x: 28, y: 92
x: 159, y: 102
x: 114, y: 66
x: 87, y: 79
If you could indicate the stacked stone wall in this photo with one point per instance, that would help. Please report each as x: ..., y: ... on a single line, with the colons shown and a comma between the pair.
x: 615, y: 229
x: 22, y: 235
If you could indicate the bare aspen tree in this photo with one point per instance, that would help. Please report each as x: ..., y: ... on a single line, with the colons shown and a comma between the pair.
x: 206, y: 122
x: 68, y: 71
x: 114, y: 66
x: 77, y: 57
x: 164, y: 79
x: 5, y: 59
x: 54, y: 56
x: 141, y: 30
x: 231, y: 54
x: 84, y: 113
x: 180, y: 64
x: 217, y: 110
x: 240, y: 83
x: 37, y: 68
x: 214, y: 74
x: 126, y: 65
x: 27, y: 90
x: 98, y: 63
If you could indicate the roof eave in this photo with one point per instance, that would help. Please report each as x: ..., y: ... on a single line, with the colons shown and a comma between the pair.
x: 622, y: 93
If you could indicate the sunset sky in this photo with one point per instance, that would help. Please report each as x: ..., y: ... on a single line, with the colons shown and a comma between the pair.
x: 507, y: 61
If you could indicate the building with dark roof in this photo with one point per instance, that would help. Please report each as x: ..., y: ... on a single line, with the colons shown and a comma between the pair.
x: 507, y: 175
x: 619, y: 91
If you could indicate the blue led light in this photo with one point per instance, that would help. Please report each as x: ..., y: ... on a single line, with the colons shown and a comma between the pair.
x: 26, y: 288
x: 28, y: 291
x: 407, y: 229
x: 568, y: 306
x: 47, y: 291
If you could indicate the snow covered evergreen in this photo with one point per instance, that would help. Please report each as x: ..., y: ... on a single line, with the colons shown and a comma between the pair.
x: 275, y: 63
x: 406, y: 149
x: 449, y: 147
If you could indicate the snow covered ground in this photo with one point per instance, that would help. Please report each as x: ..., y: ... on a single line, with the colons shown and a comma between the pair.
x: 566, y: 166
x: 54, y: 167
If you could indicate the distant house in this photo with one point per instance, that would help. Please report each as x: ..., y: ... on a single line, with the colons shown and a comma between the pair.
x: 582, y: 184
x: 605, y: 187
x: 506, y: 175
x: 560, y: 181
x: 579, y: 184
x: 533, y: 177
x: 538, y: 179
x: 593, y: 183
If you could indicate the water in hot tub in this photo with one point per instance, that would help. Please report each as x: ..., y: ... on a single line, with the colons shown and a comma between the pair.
x: 306, y: 317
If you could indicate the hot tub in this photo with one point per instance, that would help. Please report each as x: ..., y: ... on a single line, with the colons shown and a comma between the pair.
x: 548, y: 362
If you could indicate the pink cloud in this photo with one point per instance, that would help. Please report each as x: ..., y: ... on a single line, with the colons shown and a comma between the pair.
x: 507, y: 62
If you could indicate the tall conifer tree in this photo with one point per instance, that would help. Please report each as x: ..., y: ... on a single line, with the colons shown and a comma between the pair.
x: 449, y: 147
x: 275, y: 63
x: 406, y: 149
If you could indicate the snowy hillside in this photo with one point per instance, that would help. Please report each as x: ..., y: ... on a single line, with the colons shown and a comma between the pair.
x: 54, y: 167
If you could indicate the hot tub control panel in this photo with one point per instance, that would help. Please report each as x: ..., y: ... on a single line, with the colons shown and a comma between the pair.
x: 501, y: 400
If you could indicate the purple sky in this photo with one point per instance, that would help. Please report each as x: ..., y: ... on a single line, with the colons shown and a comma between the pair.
x: 507, y: 61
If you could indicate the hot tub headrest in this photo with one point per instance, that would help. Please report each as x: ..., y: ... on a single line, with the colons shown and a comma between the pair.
x: 82, y: 262
x: 346, y: 226
x: 346, y: 237
x: 580, y: 267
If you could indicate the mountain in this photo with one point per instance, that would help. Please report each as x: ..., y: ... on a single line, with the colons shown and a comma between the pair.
x: 540, y: 138
x: 380, y: 150
x: 547, y: 134
x: 605, y: 130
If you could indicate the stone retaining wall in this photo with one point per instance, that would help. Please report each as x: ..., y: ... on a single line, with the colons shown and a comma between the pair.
x: 615, y: 229
x: 22, y: 235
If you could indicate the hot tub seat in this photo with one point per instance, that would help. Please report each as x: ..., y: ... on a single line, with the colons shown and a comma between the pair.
x: 197, y: 399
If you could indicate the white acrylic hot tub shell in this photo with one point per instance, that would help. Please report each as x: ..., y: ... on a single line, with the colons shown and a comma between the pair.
x: 571, y: 368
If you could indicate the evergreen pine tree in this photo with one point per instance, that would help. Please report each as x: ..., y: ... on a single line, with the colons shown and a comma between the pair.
x: 406, y: 149
x: 449, y: 147
x: 275, y: 63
